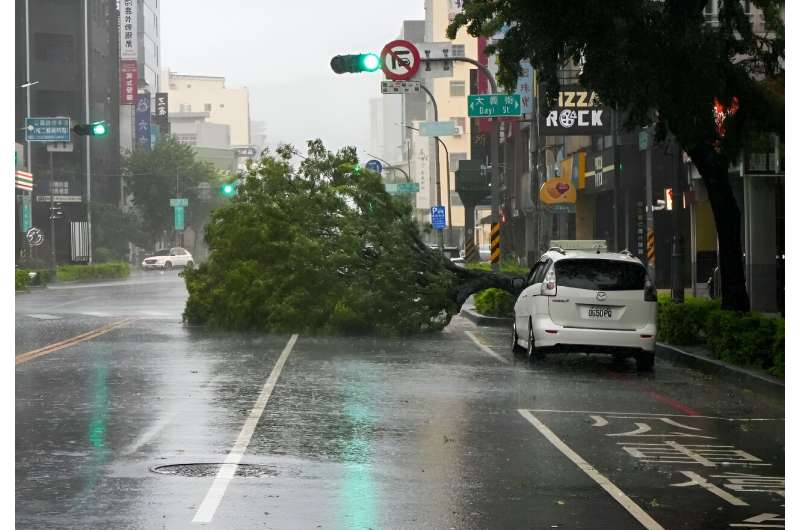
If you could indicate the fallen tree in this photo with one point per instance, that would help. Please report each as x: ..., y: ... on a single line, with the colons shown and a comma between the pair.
x: 322, y: 247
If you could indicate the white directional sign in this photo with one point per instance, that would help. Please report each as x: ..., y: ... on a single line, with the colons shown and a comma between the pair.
x: 400, y: 87
x: 60, y: 147
x: 400, y: 60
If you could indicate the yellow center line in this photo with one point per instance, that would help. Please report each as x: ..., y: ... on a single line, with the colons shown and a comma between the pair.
x: 50, y: 348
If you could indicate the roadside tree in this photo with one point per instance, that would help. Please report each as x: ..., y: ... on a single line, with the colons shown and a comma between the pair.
x: 322, y: 247
x: 713, y: 85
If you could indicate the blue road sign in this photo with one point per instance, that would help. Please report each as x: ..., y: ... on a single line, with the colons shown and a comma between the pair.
x: 47, y: 129
x: 374, y: 166
x: 438, y: 219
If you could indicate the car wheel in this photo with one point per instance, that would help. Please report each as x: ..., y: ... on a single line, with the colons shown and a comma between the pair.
x: 516, y: 349
x: 189, y: 264
x: 645, y: 361
x: 168, y: 266
x: 534, y: 354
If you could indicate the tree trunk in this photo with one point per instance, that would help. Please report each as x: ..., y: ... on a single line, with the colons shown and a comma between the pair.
x: 713, y: 167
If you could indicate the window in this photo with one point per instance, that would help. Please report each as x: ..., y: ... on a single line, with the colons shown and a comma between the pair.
x: 185, y: 107
x: 457, y: 88
x: 600, y: 275
x: 460, y: 124
x: 458, y: 50
x: 222, y: 105
x: 207, y: 107
x: 538, y: 277
x: 54, y: 48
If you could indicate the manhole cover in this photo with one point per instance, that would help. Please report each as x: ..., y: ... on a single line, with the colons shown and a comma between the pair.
x: 211, y: 469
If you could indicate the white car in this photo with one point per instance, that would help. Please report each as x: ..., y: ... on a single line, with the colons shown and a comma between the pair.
x: 587, y: 301
x: 167, y: 259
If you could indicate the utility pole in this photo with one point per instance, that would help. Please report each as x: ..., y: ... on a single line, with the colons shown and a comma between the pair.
x: 88, y: 138
x: 52, y: 221
x: 440, y: 233
x: 676, y: 262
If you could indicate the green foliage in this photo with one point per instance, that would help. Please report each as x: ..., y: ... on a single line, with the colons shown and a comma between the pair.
x: 317, y: 248
x: 21, y: 280
x: 683, y: 324
x: 152, y: 178
x: 746, y: 339
x: 778, y: 348
x: 112, y: 229
x: 41, y: 278
x: 495, y: 302
x: 68, y: 273
x: 506, y: 267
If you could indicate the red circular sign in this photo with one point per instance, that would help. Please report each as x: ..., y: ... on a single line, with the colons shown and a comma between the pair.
x: 400, y: 60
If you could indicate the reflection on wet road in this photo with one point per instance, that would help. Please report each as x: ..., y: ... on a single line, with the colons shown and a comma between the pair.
x: 131, y: 428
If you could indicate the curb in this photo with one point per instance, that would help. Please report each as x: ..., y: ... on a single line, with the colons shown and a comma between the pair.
x: 733, y: 374
x: 483, y: 320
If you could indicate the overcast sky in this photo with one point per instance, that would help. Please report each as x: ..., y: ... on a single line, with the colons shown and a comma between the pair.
x: 281, y: 51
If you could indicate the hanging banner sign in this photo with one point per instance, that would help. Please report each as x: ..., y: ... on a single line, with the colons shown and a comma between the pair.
x: 143, y: 121
x: 128, y: 81
x: 128, y: 30
x: 558, y: 191
x: 578, y: 113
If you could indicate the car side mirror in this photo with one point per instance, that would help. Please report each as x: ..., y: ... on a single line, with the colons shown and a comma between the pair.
x: 518, y: 284
x: 536, y: 289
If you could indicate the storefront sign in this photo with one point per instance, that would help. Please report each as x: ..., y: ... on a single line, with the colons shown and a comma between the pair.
x: 128, y: 81
x: 143, y: 121
x: 558, y: 191
x: 578, y: 112
x: 128, y: 30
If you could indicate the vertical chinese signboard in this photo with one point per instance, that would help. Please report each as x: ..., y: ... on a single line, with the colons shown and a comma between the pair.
x: 128, y: 81
x: 162, y: 112
x: 143, y: 121
x: 127, y: 30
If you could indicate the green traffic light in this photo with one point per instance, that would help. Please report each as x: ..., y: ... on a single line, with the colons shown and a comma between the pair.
x: 99, y: 128
x: 369, y: 62
x: 228, y: 190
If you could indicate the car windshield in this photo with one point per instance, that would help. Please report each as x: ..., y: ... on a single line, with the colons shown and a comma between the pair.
x: 600, y: 274
x: 164, y: 252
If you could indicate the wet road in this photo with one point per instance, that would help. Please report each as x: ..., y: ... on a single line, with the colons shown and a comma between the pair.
x: 125, y: 418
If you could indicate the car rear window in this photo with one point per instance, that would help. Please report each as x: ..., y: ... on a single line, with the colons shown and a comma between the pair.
x: 600, y: 275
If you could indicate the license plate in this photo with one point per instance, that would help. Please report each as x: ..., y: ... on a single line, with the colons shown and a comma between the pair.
x: 599, y: 312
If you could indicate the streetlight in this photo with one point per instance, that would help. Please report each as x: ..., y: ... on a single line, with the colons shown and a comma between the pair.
x: 447, y: 163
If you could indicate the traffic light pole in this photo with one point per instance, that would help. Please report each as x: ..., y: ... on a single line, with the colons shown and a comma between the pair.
x: 52, y: 221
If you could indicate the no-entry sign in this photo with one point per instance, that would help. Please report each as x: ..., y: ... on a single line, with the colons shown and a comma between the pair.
x: 400, y: 60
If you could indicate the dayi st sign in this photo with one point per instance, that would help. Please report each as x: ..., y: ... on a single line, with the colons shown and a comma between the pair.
x: 578, y: 112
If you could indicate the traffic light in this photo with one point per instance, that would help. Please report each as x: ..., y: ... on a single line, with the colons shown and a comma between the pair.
x: 228, y: 189
x: 361, y: 62
x: 97, y: 128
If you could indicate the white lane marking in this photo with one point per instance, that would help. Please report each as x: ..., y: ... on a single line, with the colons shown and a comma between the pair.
x: 149, y: 434
x: 44, y: 316
x: 157, y: 426
x: 651, y: 414
x: 71, y: 302
x: 484, y: 347
x: 616, y: 493
x: 227, y: 470
x: 599, y: 421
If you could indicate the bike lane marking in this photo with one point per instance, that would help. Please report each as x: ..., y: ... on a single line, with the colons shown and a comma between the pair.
x: 205, y: 513
x: 617, y: 494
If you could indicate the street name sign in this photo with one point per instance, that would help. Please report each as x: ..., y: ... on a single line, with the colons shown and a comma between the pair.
x: 438, y: 128
x: 60, y: 198
x: 400, y: 60
x: 400, y: 87
x: 182, y: 202
x: 55, y: 129
x: 438, y: 219
x: 403, y: 187
x: 25, y: 213
x: 179, y: 225
x: 374, y: 166
x: 493, y: 105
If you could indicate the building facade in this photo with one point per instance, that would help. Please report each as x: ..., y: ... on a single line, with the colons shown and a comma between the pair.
x: 52, y: 41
